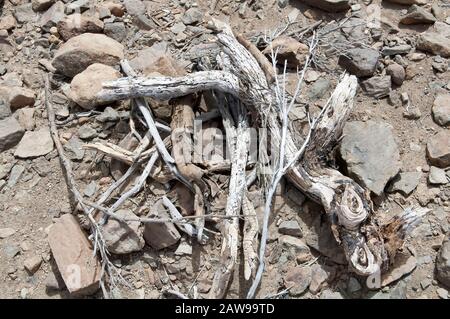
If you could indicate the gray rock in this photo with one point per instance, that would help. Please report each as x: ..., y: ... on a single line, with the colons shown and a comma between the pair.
x: 25, y: 117
x: 417, y: 15
x: 377, y: 86
x: 6, y: 232
x: 183, y: 249
x: 443, y: 263
x: 353, y: 285
x: 395, y: 50
x: 74, y: 149
x: 291, y: 228
x: 296, y: 247
x: 440, y: 64
x: 319, y: 88
x: 5, y: 110
x: 405, y: 182
x: 437, y: 176
x: 318, y: 277
x: 397, y: 73
x: 123, y: 237
x: 137, y: 9
x: 435, y: 43
x: 78, y: 6
x: 403, y: 265
x: 90, y: 189
x: 15, y: 174
x: 442, y: 293
x: 438, y: 149
x: 441, y: 109
x: 108, y: 115
x: 10, y: 251
x: 329, y: 5
x: 371, y: 154
x: 24, y: 13
x: 10, y: 133
x: 192, y: 16
x: 52, y: 16
x: 54, y: 282
x: 360, y: 61
x: 409, y: 2
x: 34, y: 144
x: 41, y: 5
x: 328, y: 294
x: 160, y: 235
x: 178, y: 27
x: 86, y: 132
x: 116, y: 31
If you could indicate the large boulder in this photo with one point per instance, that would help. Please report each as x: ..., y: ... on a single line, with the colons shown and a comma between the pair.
x: 371, y: 154
x: 85, y: 85
x: 79, y: 52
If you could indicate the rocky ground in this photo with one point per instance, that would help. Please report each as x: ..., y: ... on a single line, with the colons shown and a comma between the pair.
x: 396, y: 143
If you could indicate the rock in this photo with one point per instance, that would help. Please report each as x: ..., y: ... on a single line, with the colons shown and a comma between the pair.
x: 8, y: 22
x: 437, y: 176
x: 328, y: 294
x: 25, y: 117
x: 442, y: 293
x: 361, y: 62
x: 116, y: 31
x: 17, y: 97
x: 79, y: 52
x: 291, y: 228
x: 76, y: 24
x: 395, y: 50
x: 116, y: 9
x: 443, y: 263
x: 24, y: 13
x: 405, y: 182
x: 108, y: 115
x: 296, y: 247
x: 418, y: 15
x: 137, y: 9
x: 329, y: 5
x: 78, y: 6
x: 319, y: 89
x: 85, y: 132
x: 10, y: 133
x: 86, y: 85
x: 377, y: 86
x: 10, y: 251
x: 403, y: 265
x: 318, y: 277
x: 6, y: 232
x: 397, y: 73
x: 16, y: 172
x: 74, y: 150
x: 183, y: 249
x: 298, y: 278
x: 435, y: 43
x: 288, y: 49
x: 353, y: 285
x: 32, y: 264
x: 160, y: 235
x: 73, y: 254
x: 52, y: 16
x: 192, y: 16
x: 371, y: 153
x: 34, y: 144
x: 41, y: 5
x: 408, y: 2
x: 438, y: 149
x: 5, y: 110
x: 441, y: 109
x: 90, y: 189
x: 178, y: 27
x: 123, y: 237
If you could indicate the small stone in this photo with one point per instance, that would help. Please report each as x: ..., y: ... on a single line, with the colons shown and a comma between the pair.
x: 81, y: 51
x: 397, y: 73
x: 298, y: 279
x: 418, y: 15
x: 116, y: 9
x: 183, y: 249
x: 291, y: 228
x: 396, y: 50
x: 90, y: 189
x: 86, y: 85
x: 443, y: 263
x: 123, y: 237
x: 371, y: 153
x: 24, y: 13
x: 34, y: 144
x: 438, y: 149
x: 405, y: 182
x: 53, y: 282
x: 41, y: 5
x: 116, y: 31
x: 32, y: 264
x: 178, y: 27
x: 403, y: 265
x: 435, y: 43
x: 192, y: 16
x: 319, y: 89
x: 425, y: 283
x: 16, y: 172
x: 78, y: 6
x: 361, y: 62
x: 437, y: 176
x: 353, y: 285
x: 441, y: 109
x: 108, y: 115
x: 86, y: 132
x: 311, y: 76
x: 76, y: 24
x: 442, y: 293
x: 318, y: 277
x: 25, y: 117
x: 10, y: 133
x: 377, y: 86
x: 6, y: 232
x: 288, y: 49
x: 296, y: 247
x: 18, y: 97
x: 329, y: 5
x: 52, y: 16
x: 8, y: 22
x: 328, y: 294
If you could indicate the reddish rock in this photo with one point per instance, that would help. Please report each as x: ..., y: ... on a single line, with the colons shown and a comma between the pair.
x: 73, y: 253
